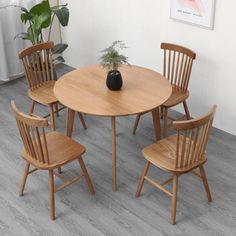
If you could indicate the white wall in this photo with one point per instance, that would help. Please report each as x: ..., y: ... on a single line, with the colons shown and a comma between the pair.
x: 143, y: 25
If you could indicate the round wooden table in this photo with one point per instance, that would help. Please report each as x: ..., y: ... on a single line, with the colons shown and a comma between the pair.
x: 84, y: 90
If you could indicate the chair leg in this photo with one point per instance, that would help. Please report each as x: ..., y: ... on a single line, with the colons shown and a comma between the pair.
x: 174, y: 198
x: 24, y: 178
x: 86, y: 175
x: 51, y: 110
x: 32, y: 107
x: 141, y: 180
x: 205, y: 183
x: 52, y: 195
x: 165, y: 116
x: 82, y: 120
x: 136, y: 123
x: 56, y: 108
x: 186, y: 110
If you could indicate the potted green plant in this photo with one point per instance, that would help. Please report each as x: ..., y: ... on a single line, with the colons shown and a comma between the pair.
x: 111, y: 60
x: 39, y: 18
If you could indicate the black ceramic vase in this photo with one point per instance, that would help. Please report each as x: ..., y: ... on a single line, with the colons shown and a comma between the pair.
x: 114, y: 80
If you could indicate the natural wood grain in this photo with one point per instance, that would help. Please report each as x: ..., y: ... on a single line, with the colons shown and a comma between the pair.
x: 179, y: 75
x: 142, y: 178
x: 47, y: 152
x: 113, y: 143
x: 156, y: 123
x: 86, y: 175
x: 174, y: 198
x: 52, y: 194
x: 177, y: 66
x: 39, y: 72
x: 107, y: 213
x: 180, y: 154
x: 84, y: 90
x: 70, y: 122
x: 24, y: 178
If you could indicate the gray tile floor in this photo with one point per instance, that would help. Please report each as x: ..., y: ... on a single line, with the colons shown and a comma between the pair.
x: 108, y: 213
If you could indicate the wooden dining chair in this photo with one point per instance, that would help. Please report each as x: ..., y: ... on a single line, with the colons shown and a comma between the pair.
x: 179, y: 154
x: 48, y: 152
x: 39, y: 73
x: 177, y: 66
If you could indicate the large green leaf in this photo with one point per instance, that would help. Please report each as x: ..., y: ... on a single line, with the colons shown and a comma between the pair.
x: 62, y: 15
x: 38, y: 9
x: 59, y: 59
x: 59, y: 48
x: 43, y: 9
x: 26, y: 17
x: 41, y: 20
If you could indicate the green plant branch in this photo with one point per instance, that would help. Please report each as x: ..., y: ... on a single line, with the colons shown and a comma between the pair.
x: 31, y: 28
x: 50, y: 28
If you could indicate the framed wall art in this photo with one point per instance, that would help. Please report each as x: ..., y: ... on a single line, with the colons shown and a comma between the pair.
x: 197, y: 12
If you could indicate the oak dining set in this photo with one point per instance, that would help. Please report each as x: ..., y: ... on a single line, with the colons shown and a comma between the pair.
x: 84, y: 92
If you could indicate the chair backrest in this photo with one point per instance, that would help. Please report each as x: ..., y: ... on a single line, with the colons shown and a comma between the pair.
x: 192, y: 138
x: 177, y: 66
x: 38, y: 64
x: 33, y: 135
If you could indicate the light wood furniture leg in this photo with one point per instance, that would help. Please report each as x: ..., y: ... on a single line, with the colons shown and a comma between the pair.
x: 205, y: 183
x: 70, y: 122
x: 113, y: 127
x: 24, y: 178
x: 156, y: 123
x: 186, y: 110
x: 56, y: 108
x: 31, y: 110
x: 165, y: 116
x: 141, y: 181
x: 174, y: 198
x: 51, y: 111
x: 136, y: 123
x: 52, y: 195
x: 86, y: 175
x: 82, y: 120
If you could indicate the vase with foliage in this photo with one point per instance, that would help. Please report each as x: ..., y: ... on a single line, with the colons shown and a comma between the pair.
x: 111, y: 60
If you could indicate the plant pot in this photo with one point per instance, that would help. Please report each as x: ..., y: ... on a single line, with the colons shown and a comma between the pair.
x: 114, y: 80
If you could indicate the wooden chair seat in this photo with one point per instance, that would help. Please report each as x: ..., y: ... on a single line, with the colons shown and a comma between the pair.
x: 48, y: 152
x: 179, y: 154
x: 44, y: 94
x: 177, y: 66
x: 39, y: 73
x: 61, y: 150
x: 163, y: 155
x: 176, y: 97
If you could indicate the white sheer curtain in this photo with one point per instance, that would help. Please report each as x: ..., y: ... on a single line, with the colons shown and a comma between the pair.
x: 10, y: 25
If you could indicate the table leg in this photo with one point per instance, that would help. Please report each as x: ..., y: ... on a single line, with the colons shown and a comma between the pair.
x: 113, y: 127
x: 70, y: 122
x: 156, y: 123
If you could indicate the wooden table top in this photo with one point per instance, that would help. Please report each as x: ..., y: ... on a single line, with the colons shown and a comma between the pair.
x: 85, y: 90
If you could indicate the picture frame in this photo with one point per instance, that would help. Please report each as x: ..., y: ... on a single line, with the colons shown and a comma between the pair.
x: 196, y: 12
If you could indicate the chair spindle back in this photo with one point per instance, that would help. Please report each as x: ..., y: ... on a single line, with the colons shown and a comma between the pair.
x: 177, y: 66
x: 38, y: 64
x: 192, y: 138
x: 32, y: 132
